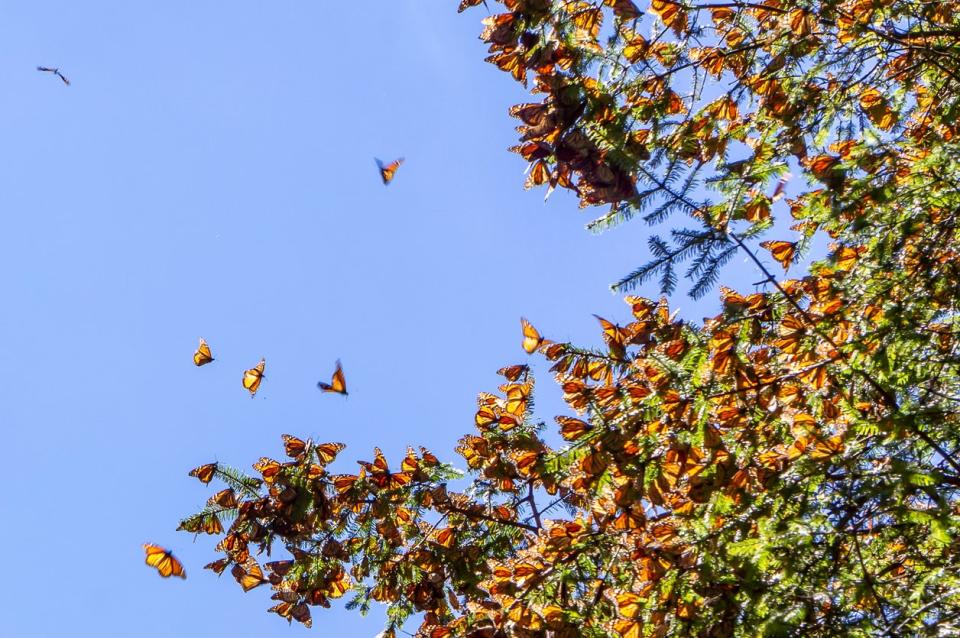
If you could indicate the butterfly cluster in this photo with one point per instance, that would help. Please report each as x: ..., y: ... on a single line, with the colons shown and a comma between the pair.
x: 665, y: 419
x: 298, y: 504
x: 770, y: 471
x: 225, y: 500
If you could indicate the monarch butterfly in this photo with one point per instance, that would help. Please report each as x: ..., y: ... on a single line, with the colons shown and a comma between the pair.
x: 464, y: 4
x: 294, y: 447
x: 343, y: 483
x: 326, y: 452
x: 204, y: 473
x: 268, y: 468
x: 218, y: 565
x: 249, y: 575
x: 445, y: 537
x: 224, y: 498
x: 236, y: 546
x: 337, y: 583
x: 572, y: 429
x: 299, y: 612
x: 387, y: 171
x: 380, y: 472
x: 518, y: 396
x: 531, y: 338
x: 163, y: 561
x: 513, y: 373
x: 337, y: 383
x: 616, y: 337
x: 253, y: 377
x: 782, y: 251
x: 206, y: 523
x: 203, y: 355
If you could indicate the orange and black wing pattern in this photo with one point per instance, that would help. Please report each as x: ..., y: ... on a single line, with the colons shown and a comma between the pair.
x: 783, y: 251
x: 531, y: 338
x: 164, y: 562
x: 202, y: 356
x: 337, y: 384
x: 205, y: 472
x: 388, y: 171
x: 380, y: 473
x: 253, y: 377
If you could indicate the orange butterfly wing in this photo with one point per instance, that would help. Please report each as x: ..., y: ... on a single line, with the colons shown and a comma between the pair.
x: 337, y: 384
x: 327, y: 452
x: 293, y: 446
x: 782, y: 251
x: 202, y: 356
x: 249, y: 575
x: 531, y: 338
x: 163, y: 561
x: 388, y: 171
x: 204, y: 473
x: 253, y: 377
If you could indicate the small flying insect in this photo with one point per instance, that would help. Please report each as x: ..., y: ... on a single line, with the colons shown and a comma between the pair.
x: 387, y: 171
x: 56, y: 72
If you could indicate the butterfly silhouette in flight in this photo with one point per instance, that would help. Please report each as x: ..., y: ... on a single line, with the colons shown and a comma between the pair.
x: 56, y: 72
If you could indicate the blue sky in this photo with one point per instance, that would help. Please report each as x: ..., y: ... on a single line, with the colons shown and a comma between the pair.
x: 210, y: 173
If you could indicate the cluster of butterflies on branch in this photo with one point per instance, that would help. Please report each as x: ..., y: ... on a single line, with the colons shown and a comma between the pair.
x: 160, y: 558
x: 168, y: 565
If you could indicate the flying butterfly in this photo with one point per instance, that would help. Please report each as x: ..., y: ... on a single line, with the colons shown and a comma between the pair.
x: 202, y: 356
x: 253, y: 377
x: 56, y: 72
x: 388, y: 171
x: 531, y: 338
x: 164, y: 562
x: 337, y: 384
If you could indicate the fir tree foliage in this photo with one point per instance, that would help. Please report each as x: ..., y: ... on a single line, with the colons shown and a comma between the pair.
x: 789, y: 467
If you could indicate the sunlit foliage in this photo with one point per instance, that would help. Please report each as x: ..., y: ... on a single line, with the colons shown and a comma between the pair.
x: 788, y: 468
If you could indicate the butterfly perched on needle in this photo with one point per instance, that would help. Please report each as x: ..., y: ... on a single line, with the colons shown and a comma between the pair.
x: 55, y: 71
x: 337, y: 384
x: 202, y: 356
x: 387, y: 171
x: 204, y: 473
x: 164, y: 562
x: 253, y: 377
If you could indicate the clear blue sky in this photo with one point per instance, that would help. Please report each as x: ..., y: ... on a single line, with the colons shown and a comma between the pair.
x: 210, y: 173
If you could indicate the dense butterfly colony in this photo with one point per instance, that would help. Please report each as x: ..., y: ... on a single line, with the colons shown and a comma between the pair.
x: 161, y: 558
x: 640, y: 110
x: 698, y: 465
x: 790, y: 466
